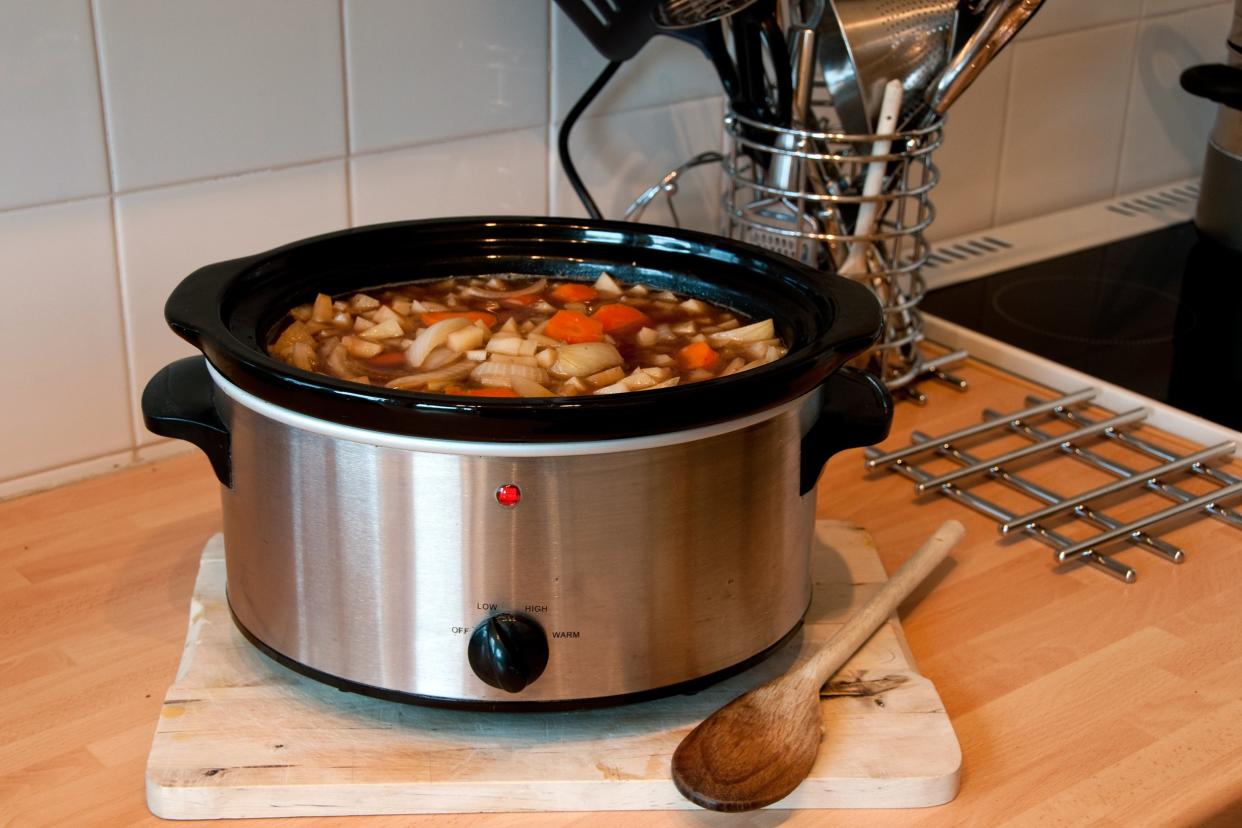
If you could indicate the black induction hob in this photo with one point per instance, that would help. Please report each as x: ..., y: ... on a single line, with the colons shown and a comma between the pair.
x: 1159, y: 314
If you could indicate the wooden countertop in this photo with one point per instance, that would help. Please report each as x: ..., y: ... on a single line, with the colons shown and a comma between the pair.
x: 1077, y: 699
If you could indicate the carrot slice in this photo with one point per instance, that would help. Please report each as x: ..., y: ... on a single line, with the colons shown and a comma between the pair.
x: 697, y: 355
x: 573, y: 327
x: 432, y: 317
x: 573, y: 292
x: 481, y: 392
x: 392, y: 359
x: 617, y: 318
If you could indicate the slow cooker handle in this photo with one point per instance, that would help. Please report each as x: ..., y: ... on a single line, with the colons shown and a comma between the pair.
x: 857, y: 411
x: 179, y: 402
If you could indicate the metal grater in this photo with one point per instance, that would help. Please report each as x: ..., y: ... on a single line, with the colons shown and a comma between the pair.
x: 1044, y: 445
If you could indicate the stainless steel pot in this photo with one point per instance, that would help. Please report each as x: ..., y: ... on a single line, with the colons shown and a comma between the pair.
x: 656, y: 542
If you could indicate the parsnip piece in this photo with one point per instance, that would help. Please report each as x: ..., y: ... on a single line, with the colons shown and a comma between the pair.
x: 322, y: 310
x: 499, y: 344
x: 359, y: 347
x: 360, y: 302
x: 614, y: 374
x: 388, y: 329
x: 546, y: 358
x: 606, y: 285
x: 466, y: 339
x: 478, y: 355
x: 646, y: 337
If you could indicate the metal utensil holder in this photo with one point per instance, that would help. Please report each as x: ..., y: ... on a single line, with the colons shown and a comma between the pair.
x: 800, y: 192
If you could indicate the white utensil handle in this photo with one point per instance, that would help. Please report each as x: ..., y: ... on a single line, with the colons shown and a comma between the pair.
x: 856, y: 262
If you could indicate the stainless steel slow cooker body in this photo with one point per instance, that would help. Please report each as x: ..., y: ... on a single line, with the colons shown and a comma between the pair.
x: 652, y: 548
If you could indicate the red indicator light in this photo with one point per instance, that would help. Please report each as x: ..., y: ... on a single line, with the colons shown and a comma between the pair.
x: 508, y: 495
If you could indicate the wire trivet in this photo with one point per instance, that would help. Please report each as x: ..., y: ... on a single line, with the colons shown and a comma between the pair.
x: 1044, y: 445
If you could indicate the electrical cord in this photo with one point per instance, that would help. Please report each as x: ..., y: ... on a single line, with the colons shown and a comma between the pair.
x: 562, y: 140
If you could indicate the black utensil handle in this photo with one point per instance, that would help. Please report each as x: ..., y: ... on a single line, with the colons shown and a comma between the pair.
x: 1216, y: 82
x: 179, y: 402
x: 857, y: 411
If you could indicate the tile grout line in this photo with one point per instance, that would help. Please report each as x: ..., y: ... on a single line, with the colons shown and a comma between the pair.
x: 1125, y: 110
x: 114, y: 230
x: 1012, y: 69
x: 349, y: 138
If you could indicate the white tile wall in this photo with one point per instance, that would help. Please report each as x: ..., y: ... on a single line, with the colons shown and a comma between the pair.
x: 51, y: 129
x: 168, y: 232
x: 235, y: 125
x: 62, y: 354
x: 198, y: 89
x: 417, y: 74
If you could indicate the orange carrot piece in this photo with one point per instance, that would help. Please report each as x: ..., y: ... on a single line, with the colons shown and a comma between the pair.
x: 432, y: 317
x: 573, y: 292
x: 617, y: 318
x: 392, y: 359
x: 573, y: 327
x: 481, y: 392
x: 697, y: 355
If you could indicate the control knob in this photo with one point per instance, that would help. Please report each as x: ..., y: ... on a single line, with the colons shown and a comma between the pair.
x: 508, y: 651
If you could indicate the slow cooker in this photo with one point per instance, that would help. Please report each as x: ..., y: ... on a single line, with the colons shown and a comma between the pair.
x: 509, y: 553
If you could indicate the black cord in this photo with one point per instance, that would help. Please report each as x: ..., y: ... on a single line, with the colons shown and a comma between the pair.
x: 562, y: 140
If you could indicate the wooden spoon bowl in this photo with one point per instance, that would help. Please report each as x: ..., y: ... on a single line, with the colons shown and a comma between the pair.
x: 759, y: 747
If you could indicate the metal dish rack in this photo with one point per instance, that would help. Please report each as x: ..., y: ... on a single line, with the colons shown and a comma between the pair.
x: 1044, y: 446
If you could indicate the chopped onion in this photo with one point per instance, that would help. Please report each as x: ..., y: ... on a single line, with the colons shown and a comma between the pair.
x: 584, y: 358
x: 747, y: 333
x: 528, y: 388
x: 456, y: 371
x: 431, y: 338
x: 484, y: 371
x: 537, y: 286
x: 440, y: 357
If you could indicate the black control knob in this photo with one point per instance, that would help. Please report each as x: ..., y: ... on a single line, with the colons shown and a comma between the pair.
x: 508, y: 651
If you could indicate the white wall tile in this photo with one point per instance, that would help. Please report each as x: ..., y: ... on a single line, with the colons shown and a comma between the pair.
x: 61, y: 354
x: 167, y: 233
x: 425, y: 70
x: 619, y: 155
x: 666, y: 70
x: 206, y: 89
x: 1166, y: 127
x: 1058, y: 16
x: 497, y: 174
x: 1064, y: 123
x: 969, y: 158
x: 51, y: 130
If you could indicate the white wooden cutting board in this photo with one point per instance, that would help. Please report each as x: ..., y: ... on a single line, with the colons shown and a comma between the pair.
x: 240, y: 736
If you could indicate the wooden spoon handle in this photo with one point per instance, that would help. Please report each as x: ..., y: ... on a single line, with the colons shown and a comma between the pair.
x: 873, y: 613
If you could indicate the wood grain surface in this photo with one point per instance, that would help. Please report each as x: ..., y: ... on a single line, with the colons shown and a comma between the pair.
x: 238, y: 735
x: 1077, y: 700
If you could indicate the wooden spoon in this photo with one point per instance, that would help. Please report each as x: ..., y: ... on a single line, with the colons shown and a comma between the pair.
x: 755, y: 750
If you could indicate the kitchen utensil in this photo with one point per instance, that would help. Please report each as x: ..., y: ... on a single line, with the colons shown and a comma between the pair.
x: 759, y: 747
x: 618, y: 29
x: 758, y: 43
x: 863, y: 44
x: 856, y: 262
x: 1002, y: 20
x: 366, y: 542
x: 1220, y: 188
x: 785, y: 170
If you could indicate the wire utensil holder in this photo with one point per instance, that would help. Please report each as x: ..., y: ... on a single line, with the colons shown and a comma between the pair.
x: 800, y: 193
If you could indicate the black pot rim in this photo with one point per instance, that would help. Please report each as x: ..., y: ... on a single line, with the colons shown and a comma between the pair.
x: 228, y: 310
